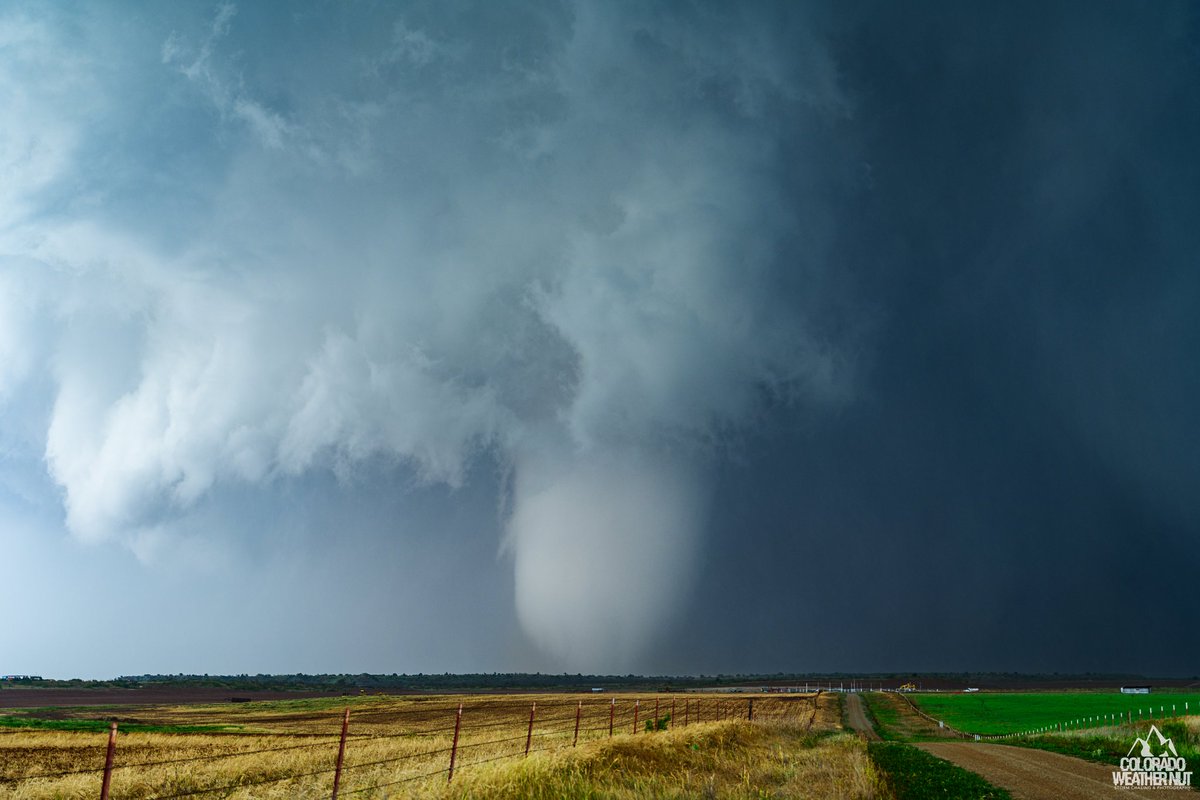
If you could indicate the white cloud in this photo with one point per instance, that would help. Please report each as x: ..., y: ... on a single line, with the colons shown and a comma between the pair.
x: 44, y: 91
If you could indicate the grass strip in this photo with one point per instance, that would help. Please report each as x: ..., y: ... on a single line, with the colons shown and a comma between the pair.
x: 916, y: 775
x: 1111, y: 748
x: 885, y: 718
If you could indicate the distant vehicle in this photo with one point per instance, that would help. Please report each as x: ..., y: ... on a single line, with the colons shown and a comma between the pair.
x: 971, y: 689
x: 908, y: 687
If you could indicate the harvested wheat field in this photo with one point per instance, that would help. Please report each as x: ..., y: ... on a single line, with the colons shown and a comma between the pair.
x: 613, y: 746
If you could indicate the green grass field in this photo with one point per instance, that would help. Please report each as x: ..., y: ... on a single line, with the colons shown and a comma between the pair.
x: 101, y: 726
x: 1005, y: 712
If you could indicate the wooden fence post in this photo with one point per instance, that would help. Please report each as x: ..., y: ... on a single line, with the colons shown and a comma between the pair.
x: 686, y: 708
x: 671, y: 722
x: 750, y: 710
x: 578, y: 712
x: 529, y: 735
x: 337, y: 770
x: 656, y: 713
x: 612, y: 708
x: 108, y: 761
x: 636, y: 706
x: 454, y: 745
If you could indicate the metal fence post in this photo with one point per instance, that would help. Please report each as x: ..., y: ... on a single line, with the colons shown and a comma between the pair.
x: 454, y: 746
x: 108, y: 761
x: 578, y: 712
x: 337, y: 771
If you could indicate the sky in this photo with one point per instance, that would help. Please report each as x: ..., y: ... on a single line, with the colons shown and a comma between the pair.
x: 599, y: 337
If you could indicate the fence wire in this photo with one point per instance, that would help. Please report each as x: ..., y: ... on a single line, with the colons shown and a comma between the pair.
x: 562, y: 725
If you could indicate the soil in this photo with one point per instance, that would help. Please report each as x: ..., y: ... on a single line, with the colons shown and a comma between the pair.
x: 1035, y: 774
x: 856, y: 717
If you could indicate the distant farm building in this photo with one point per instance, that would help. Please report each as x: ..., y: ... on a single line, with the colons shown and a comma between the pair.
x: 1135, y: 690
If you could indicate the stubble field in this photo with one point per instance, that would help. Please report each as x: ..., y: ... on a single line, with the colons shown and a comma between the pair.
x: 628, y: 746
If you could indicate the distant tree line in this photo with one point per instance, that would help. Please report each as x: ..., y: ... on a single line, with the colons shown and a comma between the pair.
x: 524, y: 681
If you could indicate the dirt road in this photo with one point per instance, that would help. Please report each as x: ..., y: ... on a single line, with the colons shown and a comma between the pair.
x: 856, y: 716
x: 1035, y: 774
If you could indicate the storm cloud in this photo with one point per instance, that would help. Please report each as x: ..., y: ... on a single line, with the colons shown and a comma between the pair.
x: 652, y: 322
x: 546, y: 233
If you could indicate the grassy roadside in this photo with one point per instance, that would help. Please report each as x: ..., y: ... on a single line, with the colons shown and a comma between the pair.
x: 895, y: 721
x: 1110, y: 747
x: 729, y: 760
x: 884, y: 719
x: 913, y: 774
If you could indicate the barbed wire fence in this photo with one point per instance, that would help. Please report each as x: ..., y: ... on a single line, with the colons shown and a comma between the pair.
x: 477, y: 732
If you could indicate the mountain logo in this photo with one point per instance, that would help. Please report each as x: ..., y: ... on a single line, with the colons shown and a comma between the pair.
x: 1153, y: 762
x: 1165, y: 747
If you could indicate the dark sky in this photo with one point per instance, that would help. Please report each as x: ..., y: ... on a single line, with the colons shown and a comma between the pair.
x: 600, y: 337
x: 1015, y: 485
